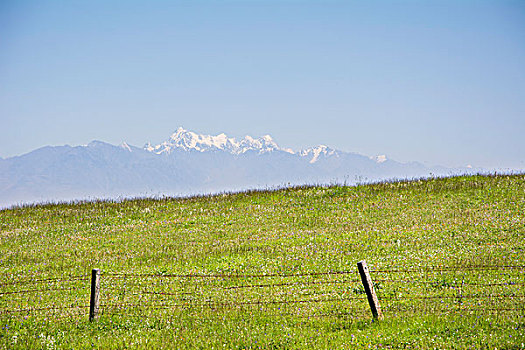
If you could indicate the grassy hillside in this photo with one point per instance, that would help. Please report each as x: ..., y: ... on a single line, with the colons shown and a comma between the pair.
x: 274, y: 269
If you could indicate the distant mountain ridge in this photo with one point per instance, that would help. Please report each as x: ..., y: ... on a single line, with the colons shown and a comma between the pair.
x: 188, y: 140
x: 183, y: 139
x: 187, y: 163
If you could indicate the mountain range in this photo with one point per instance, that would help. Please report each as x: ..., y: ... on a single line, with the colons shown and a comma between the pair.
x: 187, y: 163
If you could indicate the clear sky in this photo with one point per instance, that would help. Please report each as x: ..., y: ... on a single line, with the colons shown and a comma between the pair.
x: 441, y: 82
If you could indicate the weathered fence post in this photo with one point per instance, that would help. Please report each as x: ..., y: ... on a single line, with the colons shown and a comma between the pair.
x: 369, y: 289
x: 94, y: 301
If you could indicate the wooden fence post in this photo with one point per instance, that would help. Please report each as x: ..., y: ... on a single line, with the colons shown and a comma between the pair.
x: 94, y: 301
x: 369, y: 289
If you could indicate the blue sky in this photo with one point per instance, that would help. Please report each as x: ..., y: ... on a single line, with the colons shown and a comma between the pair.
x: 441, y: 82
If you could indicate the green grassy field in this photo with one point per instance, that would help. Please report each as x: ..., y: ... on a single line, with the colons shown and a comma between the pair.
x: 272, y: 269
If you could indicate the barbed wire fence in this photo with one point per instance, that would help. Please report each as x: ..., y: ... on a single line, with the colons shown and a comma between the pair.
x: 419, y: 290
x: 453, y: 289
x: 51, y: 298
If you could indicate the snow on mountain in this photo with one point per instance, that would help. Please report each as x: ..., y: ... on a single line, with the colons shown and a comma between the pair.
x: 316, y: 152
x: 379, y: 158
x: 125, y: 146
x: 262, y: 145
x: 190, y: 141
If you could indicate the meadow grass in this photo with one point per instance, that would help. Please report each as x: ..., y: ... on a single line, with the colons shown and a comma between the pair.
x: 248, y: 270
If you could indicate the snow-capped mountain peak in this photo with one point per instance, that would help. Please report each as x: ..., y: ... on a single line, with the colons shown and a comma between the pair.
x: 189, y: 140
x: 183, y: 139
x: 316, y: 152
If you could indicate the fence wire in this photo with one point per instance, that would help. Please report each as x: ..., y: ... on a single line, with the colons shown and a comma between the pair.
x: 148, y: 291
x: 233, y: 276
x: 449, y: 268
